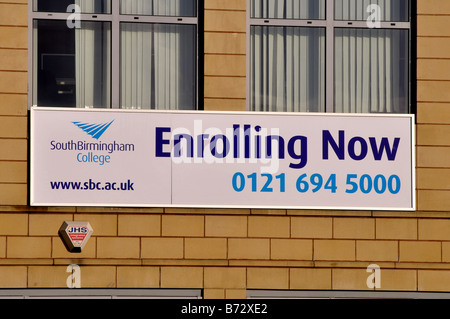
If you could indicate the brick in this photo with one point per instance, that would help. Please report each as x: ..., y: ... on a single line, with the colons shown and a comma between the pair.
x: 219, y: 277
x: 13, y: 194
x: 396, y: 228
x: 13, y: 172
x: 416, y: 251
x: 13, y: 82
x: 350, y: 279
x: 433, y: 47
x: 433, y: 135
x: 226, y: 226
x: 13, y: 224
x: 47, y: 224
x: 98, y: 277
x: 139, y: 225
x: 434, y: 113
x: 291, y: 249
x: 162, y: 248
x: 118, y: 247
x: 236, y: 294
x: 433, y: 91
x: 138, y: 277
x: 435, y: 26
x: 434, y: 229
x: 310, y: 279
x: 13, y: 126
x: 267, y: 278
x: 13, y: 277
x: 2, y: 247
x: 376, y: 251
x: 433, y: 280
x: 181, y: 277
x: 225, y: 21
x: 248, y: 248
x: 13, y: 149
x: 349, y: 228
x: 188, y: 226
x: 334, y: 250
x: 29, y: 247
x: 13, y: 60
x: 433, y: 200
x: 225, y: 5
x: 311, y: 227
x: 13, y: 14
x: 267, y: 226
x: 223, y: 87
x: 60, y: 251
x: 102, y: 224
x: 430, y: 156
x: 214, y: 293
x: 224, y: 104
x: 13, y: 104
x: 398, y: 280
x: 48, y: 277
x: 205, y: 248
x: 433, y: 178
x: 445, y: 252
x: 14, y: 37
x: 225, y: 43
x: 225, y: 65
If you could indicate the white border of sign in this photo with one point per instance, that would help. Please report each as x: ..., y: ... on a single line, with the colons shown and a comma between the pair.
x: 33, y: 169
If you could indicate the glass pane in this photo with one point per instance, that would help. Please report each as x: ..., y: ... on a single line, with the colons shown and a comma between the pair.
x: 72, y: 66
x: 158, y: 66
x: 287, y: 69
x: 178, y: 8
x: 361, y: 10
x: 371, y: 71
x: 288, y: 9
x: 85, y: 6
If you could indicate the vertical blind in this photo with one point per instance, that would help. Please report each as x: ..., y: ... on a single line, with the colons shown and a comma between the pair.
x: 371, y: 70
x: 288, y: 9
x: 371, y: 66
x: 158, y: 60
x: 288, y: 69
x: 158, y: 66
x: 390, y: 10
x: 92, y: 65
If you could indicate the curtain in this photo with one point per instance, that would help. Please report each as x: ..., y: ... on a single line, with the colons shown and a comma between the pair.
x: 158, y: 66
x: 92, y: 65
x: 371, y: 70
x: 183, y: 8
x: 390, y: 10
x: 287, y: 69
x: 288, y: 9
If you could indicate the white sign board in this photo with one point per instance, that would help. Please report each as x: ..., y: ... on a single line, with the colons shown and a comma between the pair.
x: 220, y: 159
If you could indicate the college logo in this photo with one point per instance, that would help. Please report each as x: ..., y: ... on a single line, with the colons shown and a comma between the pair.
x: 94, y: 130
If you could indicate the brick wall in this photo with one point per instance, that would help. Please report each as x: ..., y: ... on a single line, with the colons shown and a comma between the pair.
x: 228, y: 251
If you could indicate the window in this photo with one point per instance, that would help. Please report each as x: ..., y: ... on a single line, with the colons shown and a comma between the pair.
x: 129, y: 54
x: 343, y: 56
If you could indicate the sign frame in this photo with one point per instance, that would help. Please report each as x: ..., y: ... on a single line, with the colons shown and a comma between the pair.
x: 33, y: 169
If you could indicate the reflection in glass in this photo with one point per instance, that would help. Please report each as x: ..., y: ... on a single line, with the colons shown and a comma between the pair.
x: 390, y: 10
x: 371, y: 71
x: 177, y: 8
x: 72, y: 66
x: 287, y: 69
x: 86, y: 6
x: 288, y: 9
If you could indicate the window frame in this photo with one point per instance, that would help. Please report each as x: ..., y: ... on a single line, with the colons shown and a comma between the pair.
x: 115, y: 18
x: 330, y: 24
